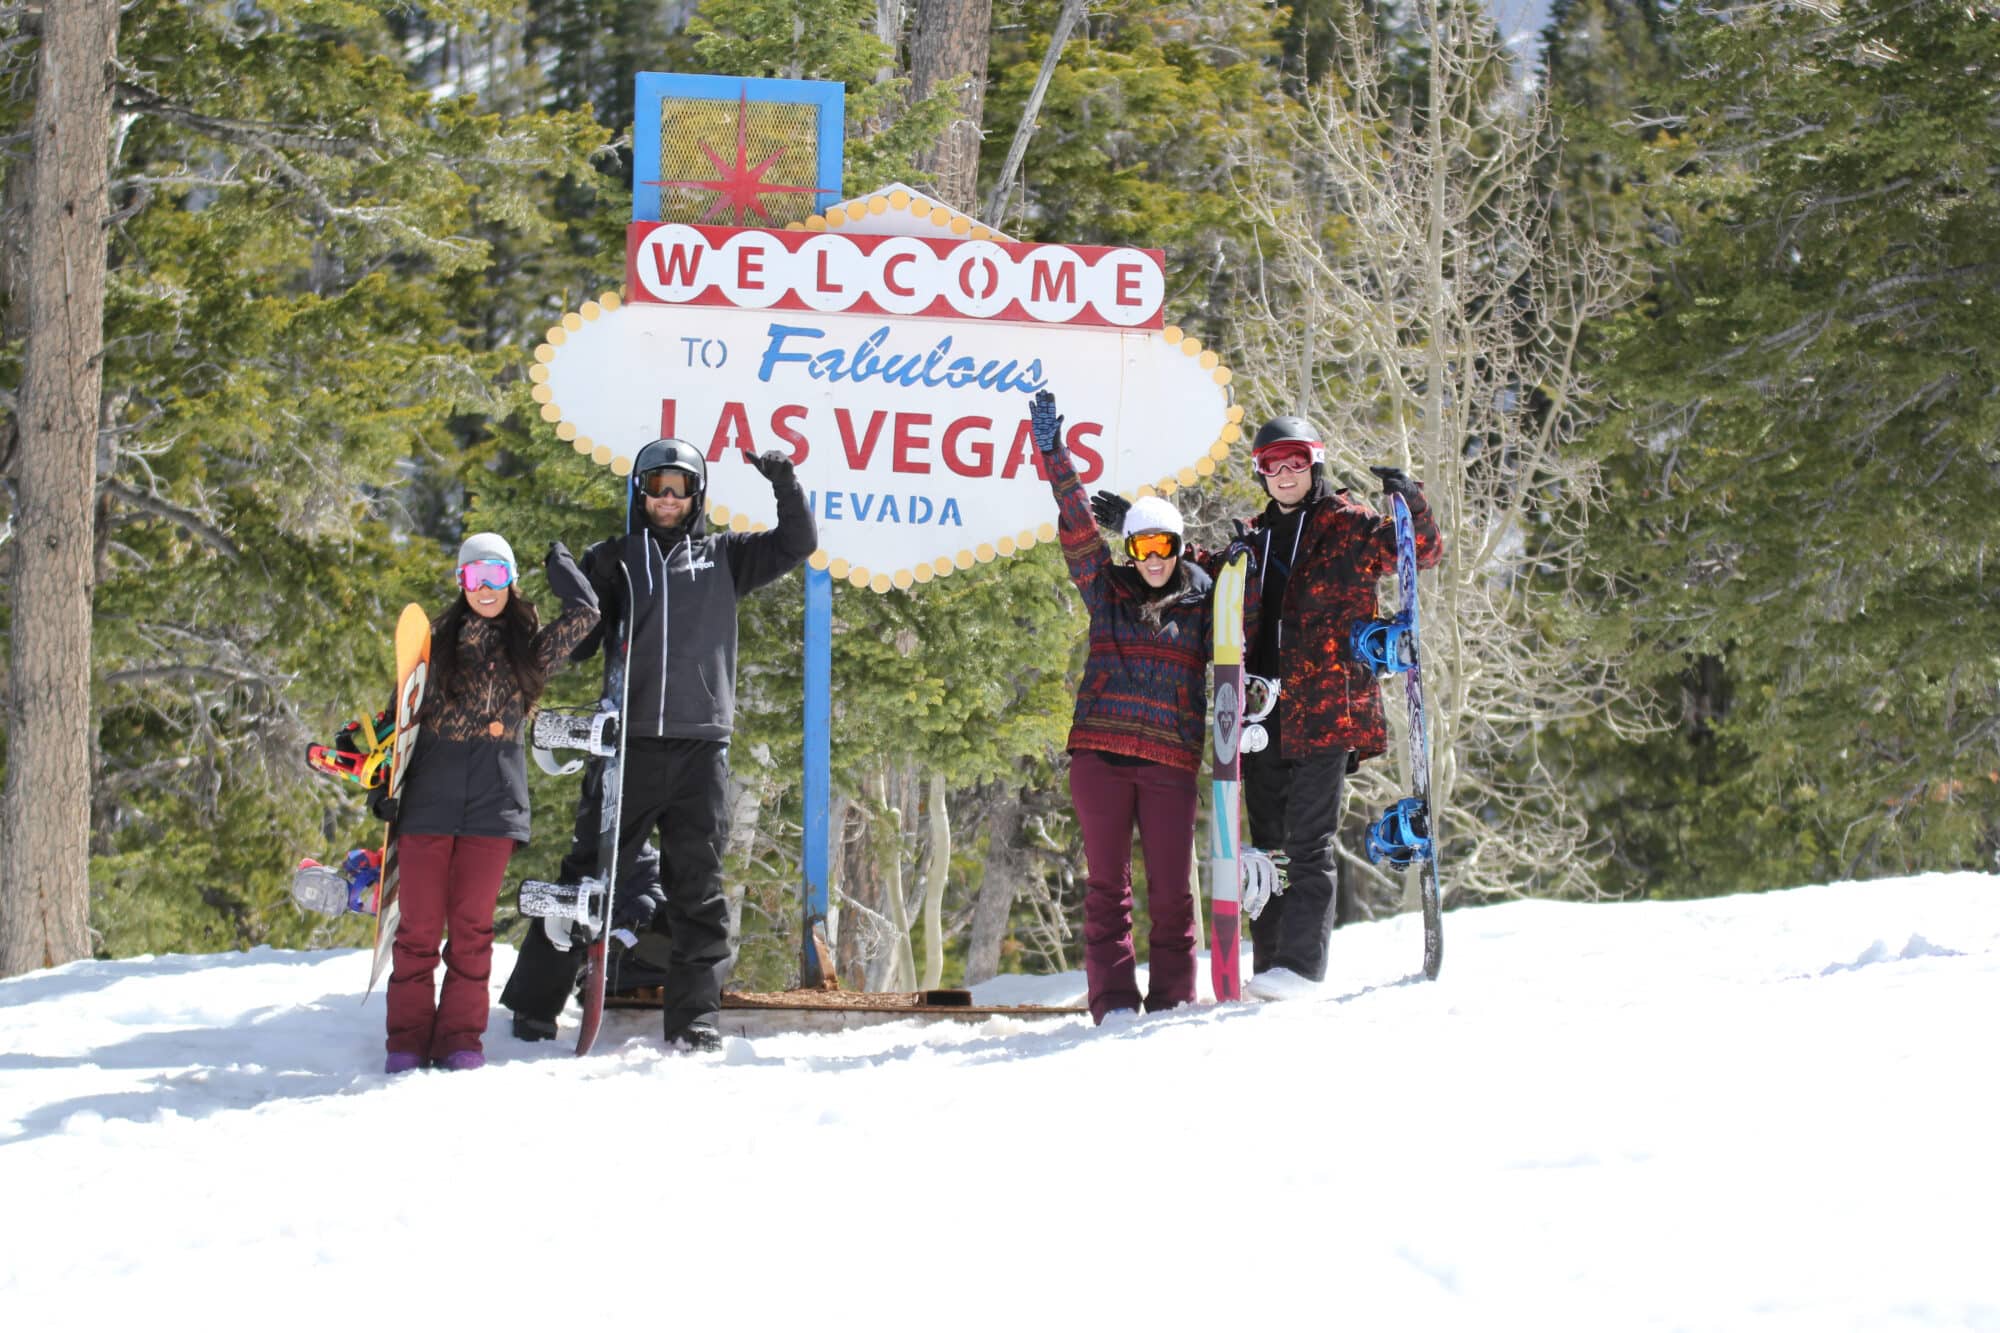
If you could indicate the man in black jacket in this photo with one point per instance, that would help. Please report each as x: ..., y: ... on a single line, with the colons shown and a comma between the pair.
x: 679, y: 711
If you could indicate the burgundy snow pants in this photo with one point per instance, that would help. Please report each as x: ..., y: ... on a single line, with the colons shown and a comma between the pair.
x: 1110, y: 798
x: 448, y: 885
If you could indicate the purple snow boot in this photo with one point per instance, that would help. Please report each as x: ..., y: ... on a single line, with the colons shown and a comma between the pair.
x: 402, y: 1062
x: 462, y: 1060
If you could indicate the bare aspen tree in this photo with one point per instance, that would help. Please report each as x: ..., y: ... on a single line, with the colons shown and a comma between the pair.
x: 1419, y: 303
x: 937, y: 872
x: 45, y: 821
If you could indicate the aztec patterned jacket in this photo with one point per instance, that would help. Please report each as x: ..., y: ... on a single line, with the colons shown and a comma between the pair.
x: 1144, y: 692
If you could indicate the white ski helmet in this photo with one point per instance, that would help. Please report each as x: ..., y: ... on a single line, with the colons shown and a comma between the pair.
x: 1149, y: 513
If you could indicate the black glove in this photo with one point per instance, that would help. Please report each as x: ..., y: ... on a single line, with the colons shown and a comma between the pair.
x: 774, y: 465
x: 1045, y: 422
x: 1109, y: 508
x: 566, y: 581
x: 635, y: 912
x: 1241, y: 544
x: 382, y: 805
x: 1395, y: 481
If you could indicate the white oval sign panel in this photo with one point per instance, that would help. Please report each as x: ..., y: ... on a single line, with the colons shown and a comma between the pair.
x: 910, y: 435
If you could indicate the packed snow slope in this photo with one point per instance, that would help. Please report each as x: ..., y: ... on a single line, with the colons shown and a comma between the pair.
x: 1763, y: 1112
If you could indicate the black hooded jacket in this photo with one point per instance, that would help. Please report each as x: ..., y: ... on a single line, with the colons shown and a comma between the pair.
x: 686, y: 581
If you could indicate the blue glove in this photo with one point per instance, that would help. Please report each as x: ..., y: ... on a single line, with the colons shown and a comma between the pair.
x: 1044, y: 421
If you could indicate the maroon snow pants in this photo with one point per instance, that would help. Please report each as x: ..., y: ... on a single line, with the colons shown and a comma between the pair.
x: 449, y: 888
x: 1109, y: 799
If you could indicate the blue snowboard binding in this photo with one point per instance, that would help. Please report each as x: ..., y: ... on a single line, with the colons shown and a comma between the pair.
x: 1402, y: 836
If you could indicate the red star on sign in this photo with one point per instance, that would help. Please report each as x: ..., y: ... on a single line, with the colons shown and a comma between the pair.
x: 737, y: 187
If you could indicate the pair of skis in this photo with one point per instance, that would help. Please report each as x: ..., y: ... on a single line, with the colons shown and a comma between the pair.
x: 1402, y: 837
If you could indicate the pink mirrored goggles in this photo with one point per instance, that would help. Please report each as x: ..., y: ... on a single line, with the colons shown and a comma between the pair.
x: 478, y: 574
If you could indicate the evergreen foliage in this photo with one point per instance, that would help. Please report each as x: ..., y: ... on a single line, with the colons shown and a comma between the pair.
x: 1809, y: 484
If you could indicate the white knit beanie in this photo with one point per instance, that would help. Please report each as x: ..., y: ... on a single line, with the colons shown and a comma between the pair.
x: 1149, y: 513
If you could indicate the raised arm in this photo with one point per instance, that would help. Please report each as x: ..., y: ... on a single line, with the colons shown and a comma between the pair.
x: 1423, y: 525
x: 760, y: 557
x: 555, y: 641
x: 1083, y: 549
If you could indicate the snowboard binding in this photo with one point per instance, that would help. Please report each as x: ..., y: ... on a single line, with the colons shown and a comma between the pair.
x: 360, y: 752
x: 1402, y: 836
x: 336, y: 891
x: 1384, y: 646
x: 571, y: 914
x: 1260, y: 696
x: 593, y: 733
x: 1265, y: 876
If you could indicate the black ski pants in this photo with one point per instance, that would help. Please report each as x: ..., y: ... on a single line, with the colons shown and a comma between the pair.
x: 1294, y: 805
x: 543, y: 975
x: 679, y: 791
x: 580, y: 862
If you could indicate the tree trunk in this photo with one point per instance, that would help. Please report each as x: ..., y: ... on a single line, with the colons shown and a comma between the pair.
x: 746, y: 809
x: 894, y: 969
x: 948, y: 48
x: 934, y: 881
x: 1005, y: 867
x: 856, y: 888
x: 45, y: 819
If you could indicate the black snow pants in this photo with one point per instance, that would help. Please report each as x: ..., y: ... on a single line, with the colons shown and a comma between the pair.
x: 679, y: 791
x: 1293, y: 805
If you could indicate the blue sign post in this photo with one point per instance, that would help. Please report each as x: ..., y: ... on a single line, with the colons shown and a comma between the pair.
x: 757, y: 152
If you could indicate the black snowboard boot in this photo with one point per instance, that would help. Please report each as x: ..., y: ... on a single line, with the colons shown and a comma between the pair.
x: 699, y: 1038
x: 533, y: 1029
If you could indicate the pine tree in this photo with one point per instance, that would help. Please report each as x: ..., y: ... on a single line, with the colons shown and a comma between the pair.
x: 283, y: 382
x: 1807, y: 460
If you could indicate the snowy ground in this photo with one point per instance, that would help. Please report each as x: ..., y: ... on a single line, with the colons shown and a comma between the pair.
x: 1771, y: 1113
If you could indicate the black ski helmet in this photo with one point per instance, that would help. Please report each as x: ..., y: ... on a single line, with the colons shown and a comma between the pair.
x: 1282, y: 430
x: 675, y: 455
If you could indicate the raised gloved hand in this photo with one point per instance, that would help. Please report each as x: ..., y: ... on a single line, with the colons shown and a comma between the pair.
x: 774, y: 465
x: 566, y: 581
x: 1395, y: 481
x: 1241, y: 544
x: 1108, y: 508
x: 1045, y: 421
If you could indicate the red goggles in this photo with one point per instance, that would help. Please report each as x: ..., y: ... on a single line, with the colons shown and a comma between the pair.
x: 478, y: 574
x: 1145, y: 545
x: 1284, y: 458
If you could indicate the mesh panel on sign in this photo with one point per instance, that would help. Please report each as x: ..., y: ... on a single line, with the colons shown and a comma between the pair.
x: 729, y: 164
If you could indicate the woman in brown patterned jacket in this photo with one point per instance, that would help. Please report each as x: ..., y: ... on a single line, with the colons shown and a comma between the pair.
x: 464, y: 806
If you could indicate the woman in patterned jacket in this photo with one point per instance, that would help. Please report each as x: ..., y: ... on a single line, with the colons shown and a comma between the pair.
x: 1135, y: 743
x: 464, y: 807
